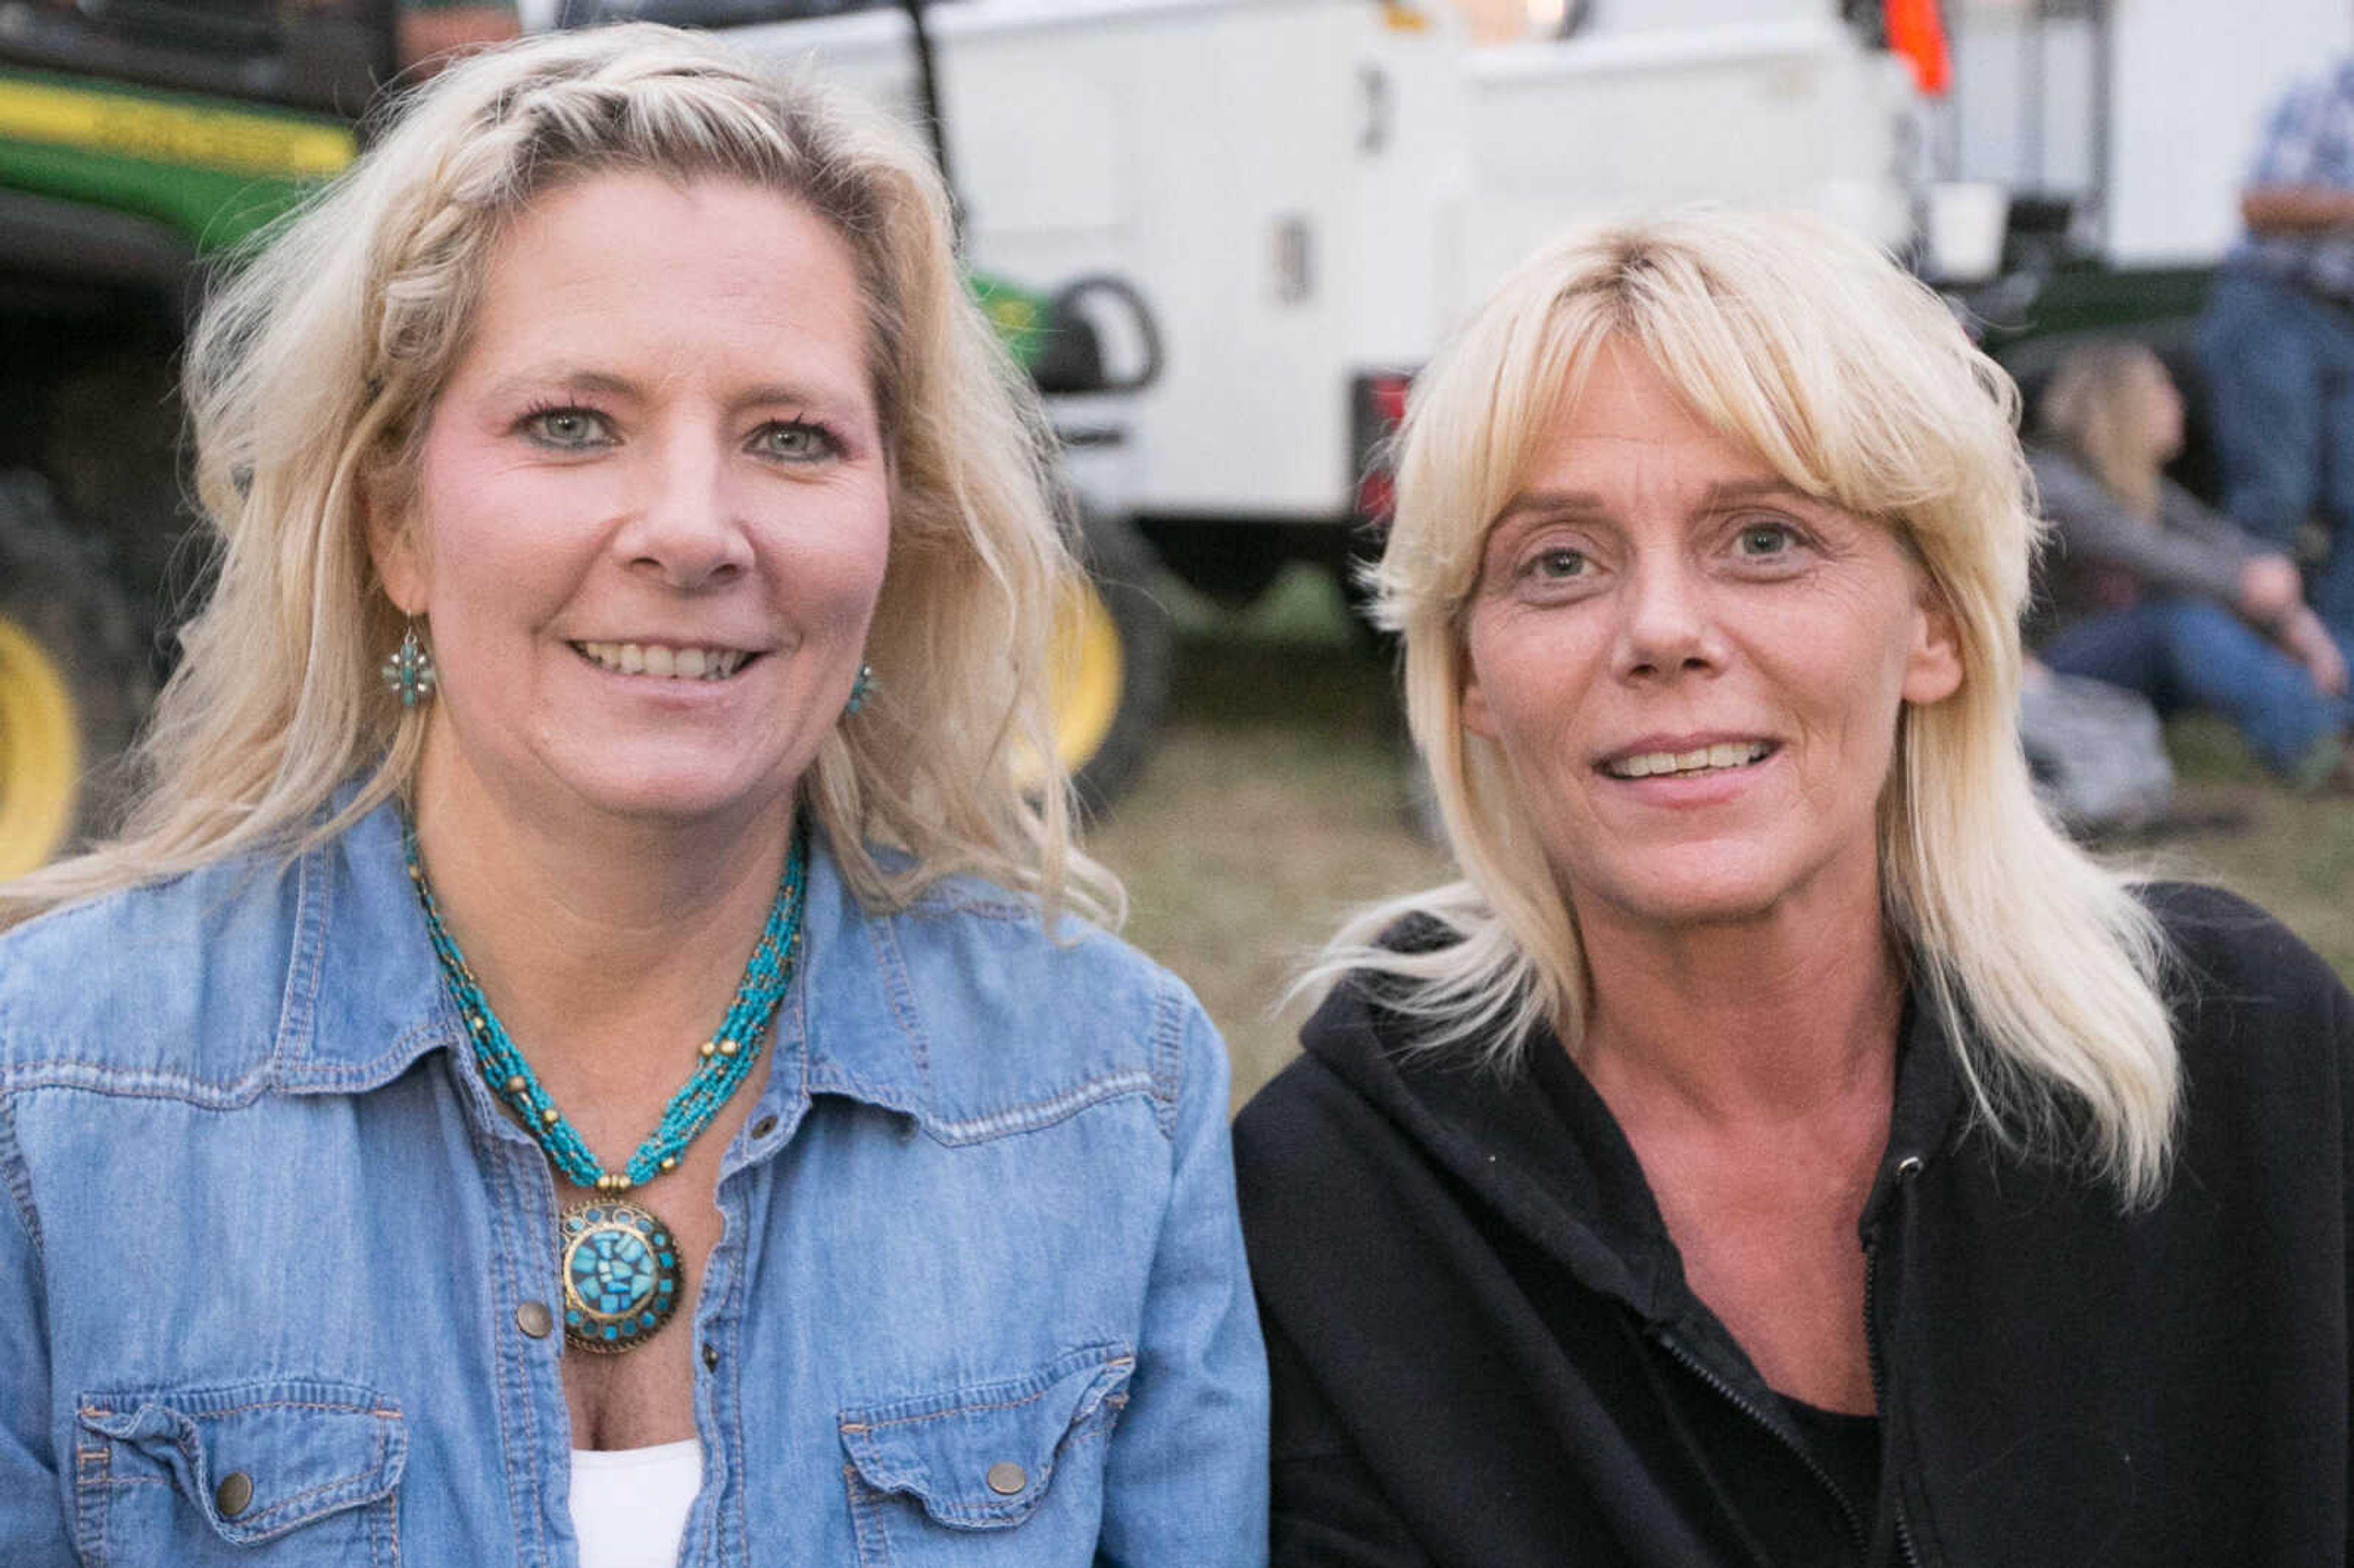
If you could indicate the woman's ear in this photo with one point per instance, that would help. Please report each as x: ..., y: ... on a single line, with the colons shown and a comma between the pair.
x: 1472, y: 711
x: 396, y: 546
x: 1933, y: 668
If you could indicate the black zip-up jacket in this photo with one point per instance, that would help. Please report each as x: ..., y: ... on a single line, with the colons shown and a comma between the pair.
x: 1485, y: 1353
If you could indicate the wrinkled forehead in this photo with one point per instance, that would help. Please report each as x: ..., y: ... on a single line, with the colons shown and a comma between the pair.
x: 512, y: 239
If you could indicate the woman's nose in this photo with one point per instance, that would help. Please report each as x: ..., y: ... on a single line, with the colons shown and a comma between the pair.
x: 688, y: 529
x: 1666, y: 627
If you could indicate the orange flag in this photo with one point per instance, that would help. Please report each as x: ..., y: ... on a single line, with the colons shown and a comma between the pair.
x: 1916, y: 32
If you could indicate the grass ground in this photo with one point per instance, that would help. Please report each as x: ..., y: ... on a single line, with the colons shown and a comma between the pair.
x: 1277, y: 798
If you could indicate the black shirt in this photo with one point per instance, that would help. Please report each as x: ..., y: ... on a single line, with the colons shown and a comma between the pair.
x: 1774, y: 1457
x: 1484, y: 1353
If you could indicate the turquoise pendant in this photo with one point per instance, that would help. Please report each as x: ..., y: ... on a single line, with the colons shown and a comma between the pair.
x: 621, y: 1276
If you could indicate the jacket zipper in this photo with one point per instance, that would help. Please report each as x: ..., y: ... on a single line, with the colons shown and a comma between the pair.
x: 1906, y: 1169
x: 1740, y: 1401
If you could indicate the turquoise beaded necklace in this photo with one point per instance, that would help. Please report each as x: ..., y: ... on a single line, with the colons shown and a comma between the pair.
x: 619, y: 1267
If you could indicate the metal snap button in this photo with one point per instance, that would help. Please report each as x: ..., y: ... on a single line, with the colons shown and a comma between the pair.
x: 764, y: 1126
x: 710, y: 1357
x: 1908, y: 1166
x: 234, y: 1494
x: 534, y: 1319
x: 1006, y: 1478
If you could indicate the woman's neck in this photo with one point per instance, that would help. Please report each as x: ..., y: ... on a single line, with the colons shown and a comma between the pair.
x: 1764, y: 1020
x: 609, y: 946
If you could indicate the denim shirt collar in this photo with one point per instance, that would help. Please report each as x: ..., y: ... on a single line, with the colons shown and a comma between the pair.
x: 365, y: 1001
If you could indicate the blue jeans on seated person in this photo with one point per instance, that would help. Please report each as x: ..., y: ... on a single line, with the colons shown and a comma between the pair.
x: 2185, y: 653
x: 2279, y: 365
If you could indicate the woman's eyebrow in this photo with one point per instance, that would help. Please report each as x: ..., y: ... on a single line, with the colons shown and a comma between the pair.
x: 1734, y: 492
x: 1569, y: 504
x: 570, y: 377
x: 811, y: 395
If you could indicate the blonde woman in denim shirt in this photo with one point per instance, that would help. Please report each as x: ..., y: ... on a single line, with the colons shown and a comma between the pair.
x: 591, y: 1051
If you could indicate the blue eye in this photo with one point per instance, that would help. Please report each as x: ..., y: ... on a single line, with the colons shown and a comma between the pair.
x: 566, y: 429
x: 1558, y: 563
x: 795, y: 441
x: 1763, y: 541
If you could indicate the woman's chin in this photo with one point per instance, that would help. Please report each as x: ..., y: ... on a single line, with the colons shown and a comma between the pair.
x: 682, y: 793
x: 1677, y: 909
x: 1695, y: 888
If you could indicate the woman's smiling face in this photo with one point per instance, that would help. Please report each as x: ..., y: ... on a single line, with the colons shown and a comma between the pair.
x: 653, y: 505
x: 1692, y: 672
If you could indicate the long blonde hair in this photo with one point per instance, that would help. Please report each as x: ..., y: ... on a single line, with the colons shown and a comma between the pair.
x: 313, y: 376
x: 1855, y: 384
x: 2093, y: 408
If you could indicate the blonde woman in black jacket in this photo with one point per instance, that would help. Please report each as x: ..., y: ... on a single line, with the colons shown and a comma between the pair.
x: 1782, y: 1145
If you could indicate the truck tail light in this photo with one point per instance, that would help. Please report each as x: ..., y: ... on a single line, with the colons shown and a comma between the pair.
x: 1378, y: 409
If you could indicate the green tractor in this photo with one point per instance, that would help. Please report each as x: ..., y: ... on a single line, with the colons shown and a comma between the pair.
x: 140, y: 142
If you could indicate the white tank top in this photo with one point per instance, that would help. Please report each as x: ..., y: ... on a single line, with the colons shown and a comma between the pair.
x: 629, y: 1505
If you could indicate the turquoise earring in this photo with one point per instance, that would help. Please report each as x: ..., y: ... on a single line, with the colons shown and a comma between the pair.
x: 409, y: 673
x: 858, y: 690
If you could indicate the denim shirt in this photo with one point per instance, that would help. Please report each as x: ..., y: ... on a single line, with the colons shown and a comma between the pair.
x: 274, y: 1268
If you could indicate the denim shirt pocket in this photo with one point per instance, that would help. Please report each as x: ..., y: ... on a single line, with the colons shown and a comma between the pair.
x: 283, y: 1473
x: 948, y: 1477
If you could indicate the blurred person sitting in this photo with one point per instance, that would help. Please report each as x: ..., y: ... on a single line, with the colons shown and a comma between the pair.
x: 2276, y: 342
x: 2145, y: 588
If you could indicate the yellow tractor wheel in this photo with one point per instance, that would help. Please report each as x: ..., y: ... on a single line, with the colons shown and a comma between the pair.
x: 73, y: 678
x: 1088, y: 673
x: 40, y: 754
x: 1113, y: 650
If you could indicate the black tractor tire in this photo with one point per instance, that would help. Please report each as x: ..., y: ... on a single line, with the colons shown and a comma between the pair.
x: 74, y: 679
x: 113, y: 454
x: 1229, y: 563
x: 1119, y: 653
